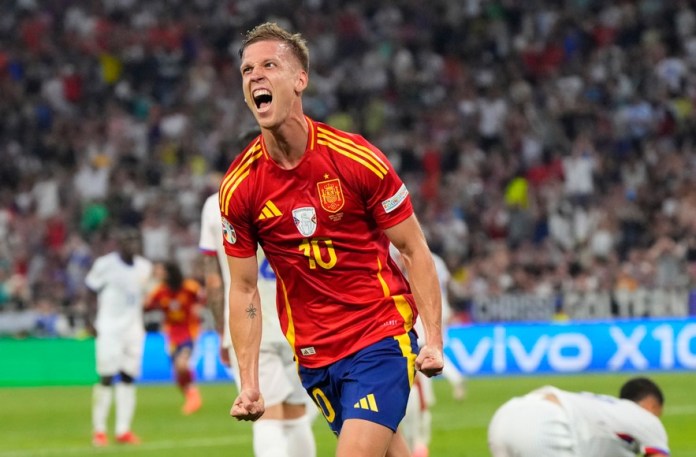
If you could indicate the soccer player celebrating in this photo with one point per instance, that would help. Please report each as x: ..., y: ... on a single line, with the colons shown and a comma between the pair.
x: 179, y: 300
x: 324, y: 205
x: 120, y: 280
x: 551, y: 422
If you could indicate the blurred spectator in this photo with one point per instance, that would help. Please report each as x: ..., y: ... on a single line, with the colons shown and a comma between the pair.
x: 568, y: 127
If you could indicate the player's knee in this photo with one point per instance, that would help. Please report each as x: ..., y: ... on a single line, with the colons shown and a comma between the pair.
x: 106, y: 380
x: 126, y: 378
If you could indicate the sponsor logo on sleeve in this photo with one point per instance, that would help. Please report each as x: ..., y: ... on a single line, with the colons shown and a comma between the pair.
x: 228, y: 231
x: 393, y: 202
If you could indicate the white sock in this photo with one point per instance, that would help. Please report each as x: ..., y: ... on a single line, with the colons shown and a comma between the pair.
x: 269, y: 438
x: 125, y: 407
x: 300, y: 437
x: 101, y: 405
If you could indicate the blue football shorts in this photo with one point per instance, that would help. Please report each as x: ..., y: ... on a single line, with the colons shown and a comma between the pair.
x: 372, y: 384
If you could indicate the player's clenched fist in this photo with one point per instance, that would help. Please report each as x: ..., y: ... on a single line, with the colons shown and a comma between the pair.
x: 429, y: 361
x: 248, y: 406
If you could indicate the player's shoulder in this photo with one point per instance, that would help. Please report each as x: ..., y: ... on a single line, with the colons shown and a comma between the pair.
x: 328, y: 131
x: 142, y: 262
x: 211, y: 207
x: 237, y: 175
x: 107, y: 259
x: 328, y: 135
x: 211, y: 200
x: 248, y: 157
x: 350, y: 150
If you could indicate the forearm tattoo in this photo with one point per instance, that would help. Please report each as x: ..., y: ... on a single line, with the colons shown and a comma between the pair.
x: 251, y: 311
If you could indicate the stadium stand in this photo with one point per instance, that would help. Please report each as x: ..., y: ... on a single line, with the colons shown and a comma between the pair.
x: 548, y: 146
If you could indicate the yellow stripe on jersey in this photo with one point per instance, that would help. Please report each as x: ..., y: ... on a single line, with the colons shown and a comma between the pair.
x: 290, y: 334
x: 333, y: 136
x: 407, y: 351
x: 236, y: 176
x: 359, y: 153
x: 274, y: 209
x: 405, y: 310
x: 402, y: 305
x: 385, y: 286
x: 310, y: 124
x: 269, y: 211
x: 265, y: 213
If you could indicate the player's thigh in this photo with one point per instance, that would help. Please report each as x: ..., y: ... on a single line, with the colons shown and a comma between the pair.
x: 378, y: 382
x: 373, y: 384
x: 363, y: 438
x: 108, y: 352
x: 276, y: 386
x: 132, y: 357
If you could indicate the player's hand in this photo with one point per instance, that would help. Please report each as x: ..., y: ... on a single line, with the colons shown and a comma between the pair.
x: 248, y: 406
x: 430, y: 361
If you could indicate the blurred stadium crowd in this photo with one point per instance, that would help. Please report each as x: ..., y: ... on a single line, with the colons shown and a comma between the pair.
x: 549, y: 146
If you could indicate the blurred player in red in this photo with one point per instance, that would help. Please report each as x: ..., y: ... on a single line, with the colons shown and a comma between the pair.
x: 179, y: 299
x: 324, y: 205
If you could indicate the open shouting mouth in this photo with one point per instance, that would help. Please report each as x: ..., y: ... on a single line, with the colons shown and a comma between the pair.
x: 262, y: 99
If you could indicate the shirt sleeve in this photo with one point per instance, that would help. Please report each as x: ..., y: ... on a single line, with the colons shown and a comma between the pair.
x: 237, y: 231
x: 96, y: 278
x: 388, y: 198
x: 211, y: 226
x: 654, y: 439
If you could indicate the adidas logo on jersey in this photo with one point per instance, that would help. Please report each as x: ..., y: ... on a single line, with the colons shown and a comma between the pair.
x: 270, y: 210
x: 368, y: 402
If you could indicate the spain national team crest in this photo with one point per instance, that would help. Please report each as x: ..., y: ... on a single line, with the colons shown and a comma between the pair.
x: 305, y: 220
x: 331, y: 195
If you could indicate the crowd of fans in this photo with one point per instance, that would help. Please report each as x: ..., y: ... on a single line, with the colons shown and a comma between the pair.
x: 548, y: 145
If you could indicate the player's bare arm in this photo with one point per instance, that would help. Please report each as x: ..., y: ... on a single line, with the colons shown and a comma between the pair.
x: 215, y: 291
x: 408, y: 238
x: 245, y: 330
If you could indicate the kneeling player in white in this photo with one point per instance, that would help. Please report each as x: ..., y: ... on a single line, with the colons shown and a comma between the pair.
x: 551, y: 422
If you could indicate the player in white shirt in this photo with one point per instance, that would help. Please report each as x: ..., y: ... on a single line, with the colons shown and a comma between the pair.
x: 551, y: 422
x: 120, y: 280
x: 285, y: 428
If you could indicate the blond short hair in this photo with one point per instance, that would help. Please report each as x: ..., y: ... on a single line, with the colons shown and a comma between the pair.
x: 270, y: 31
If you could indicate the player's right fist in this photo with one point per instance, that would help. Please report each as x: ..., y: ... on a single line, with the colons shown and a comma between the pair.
x: 248, y: 406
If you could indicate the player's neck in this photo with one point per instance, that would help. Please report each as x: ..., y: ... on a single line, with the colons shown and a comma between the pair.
x: 127, y: 257
x: 287, y: 143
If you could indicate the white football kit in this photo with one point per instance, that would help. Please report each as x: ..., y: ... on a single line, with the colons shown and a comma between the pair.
x: 120, y: 290
x: 578, y: 425
x: 278, y: 378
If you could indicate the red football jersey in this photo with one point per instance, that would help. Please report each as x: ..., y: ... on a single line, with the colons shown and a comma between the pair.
x: 321, y: 227
x: 181, y: 321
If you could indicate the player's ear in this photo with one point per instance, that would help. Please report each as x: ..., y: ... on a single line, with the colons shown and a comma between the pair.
x: 301, y: 81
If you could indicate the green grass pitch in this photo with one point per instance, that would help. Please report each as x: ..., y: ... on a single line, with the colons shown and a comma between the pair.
x: 55, y: 421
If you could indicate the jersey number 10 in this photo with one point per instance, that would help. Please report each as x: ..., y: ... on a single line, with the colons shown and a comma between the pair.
x: 312, y: 250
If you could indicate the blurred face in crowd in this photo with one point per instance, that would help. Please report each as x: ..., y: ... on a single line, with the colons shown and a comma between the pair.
x: 272, y: 82
x: 128, y: 243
